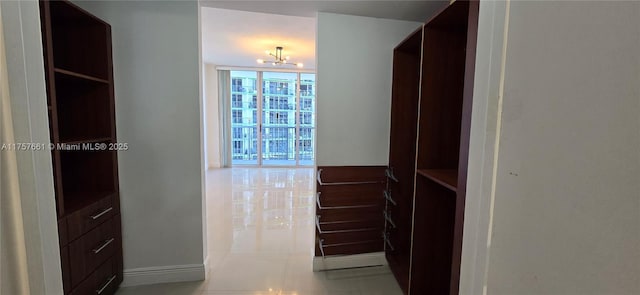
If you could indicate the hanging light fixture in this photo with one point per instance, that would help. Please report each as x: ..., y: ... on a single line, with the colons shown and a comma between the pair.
x: 279, y: 60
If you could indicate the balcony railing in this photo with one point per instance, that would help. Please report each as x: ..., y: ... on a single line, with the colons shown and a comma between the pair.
x: 278, y: 143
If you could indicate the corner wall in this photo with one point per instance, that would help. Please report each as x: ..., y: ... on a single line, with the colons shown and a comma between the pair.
x: 354, y: 58
x: 34, y: 190
x: 157, y: 95
x: 567, y: 196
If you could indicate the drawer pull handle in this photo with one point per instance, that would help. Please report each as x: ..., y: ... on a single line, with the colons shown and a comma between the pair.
x: 388, y: 219
x: 389, y: 173
x: 387, y: 195
x: 99, y: 291
x: 105, y: 211
x: 385, y: 236
x: 106, y: 243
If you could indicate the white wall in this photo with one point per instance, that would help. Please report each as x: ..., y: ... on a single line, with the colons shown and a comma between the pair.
x: 567, y: 196
x: 25, y: 66
x: 212, y: 122
x: 482, y: 144
x: 156, y: 72
x: 354, y: 69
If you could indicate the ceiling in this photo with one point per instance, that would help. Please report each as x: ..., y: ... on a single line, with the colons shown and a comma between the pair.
x: 410, y: 10
x: 238, y: 38
x: 236, y: 33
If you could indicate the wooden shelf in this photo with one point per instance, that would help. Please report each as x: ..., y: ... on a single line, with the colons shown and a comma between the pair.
x: 83, y: 107
x: 445, y: 177
x: 80, y: 76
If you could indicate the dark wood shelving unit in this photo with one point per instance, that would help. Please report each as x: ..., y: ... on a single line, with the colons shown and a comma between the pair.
x: 433, y: 72
x: 445, y: 177
x: 402, y: 151
x: 81, y: 109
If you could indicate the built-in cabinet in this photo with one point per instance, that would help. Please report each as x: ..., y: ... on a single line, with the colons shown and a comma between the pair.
x: 430, y: 119
x: 420, y: 221
x: 80, y: 99
x: 349, y: 210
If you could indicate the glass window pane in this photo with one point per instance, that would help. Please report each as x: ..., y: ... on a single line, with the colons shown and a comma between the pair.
x: 307, y: 118
x: 243, y: 118
x: 279, y: 118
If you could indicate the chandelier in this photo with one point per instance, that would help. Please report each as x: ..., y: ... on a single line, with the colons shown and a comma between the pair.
x: 278, y: 59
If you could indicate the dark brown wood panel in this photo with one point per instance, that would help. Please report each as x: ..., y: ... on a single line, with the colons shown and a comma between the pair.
x: 433, y: 238
x: 351, y: 218
x: 402, y: 151
x: 445, y: 177
x: 443, y: 67
x: 64, y: 262
x: 430, y: 122
x: 70, y: 25
x: 45, y: 25
x: 465, y: 131
x: 351, y: 195
x: 87, y: 177
x: 333, y: 174
x: 63, y: 233
x: 104, y: 279
x: 118, y: 256
x: 92, y: 249
x: 353, y: 237
x: 91, y: 216
x: 81, y: 109
x: 359, y: 225
x: 350, y: 249
x: 92, y: 98
x: 342, y: 215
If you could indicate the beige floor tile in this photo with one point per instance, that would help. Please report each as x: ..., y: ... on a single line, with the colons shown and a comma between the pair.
x: 261, y: 234
x: 248, y: 272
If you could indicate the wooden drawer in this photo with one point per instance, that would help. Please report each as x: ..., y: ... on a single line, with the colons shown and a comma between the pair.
x: 353, y: 237
x: 359, y: 214
x: 92, y: 249
x: 341, y: 174
x: 89, y: 217
x: 351, y: 195
x: 349, y: 248
x: 103, y: 281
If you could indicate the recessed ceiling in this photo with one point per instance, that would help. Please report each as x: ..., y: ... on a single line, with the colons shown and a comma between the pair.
x: 236, y: 33
x: 410, y: 10
x: 238, y: 38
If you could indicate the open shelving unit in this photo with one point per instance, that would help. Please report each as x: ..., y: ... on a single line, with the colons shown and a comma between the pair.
x: 81, y: 109
x: 433, y: 72
x: 402, y: 149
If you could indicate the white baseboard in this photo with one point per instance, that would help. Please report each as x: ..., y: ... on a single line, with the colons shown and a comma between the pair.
x: 163, y: 274
x: 349, y: 261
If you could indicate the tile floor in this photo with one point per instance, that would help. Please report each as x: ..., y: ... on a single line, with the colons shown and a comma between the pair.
x: 261, y: 233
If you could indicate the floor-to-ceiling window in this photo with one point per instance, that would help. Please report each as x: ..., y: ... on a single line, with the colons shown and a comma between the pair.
x: 272, y: 118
